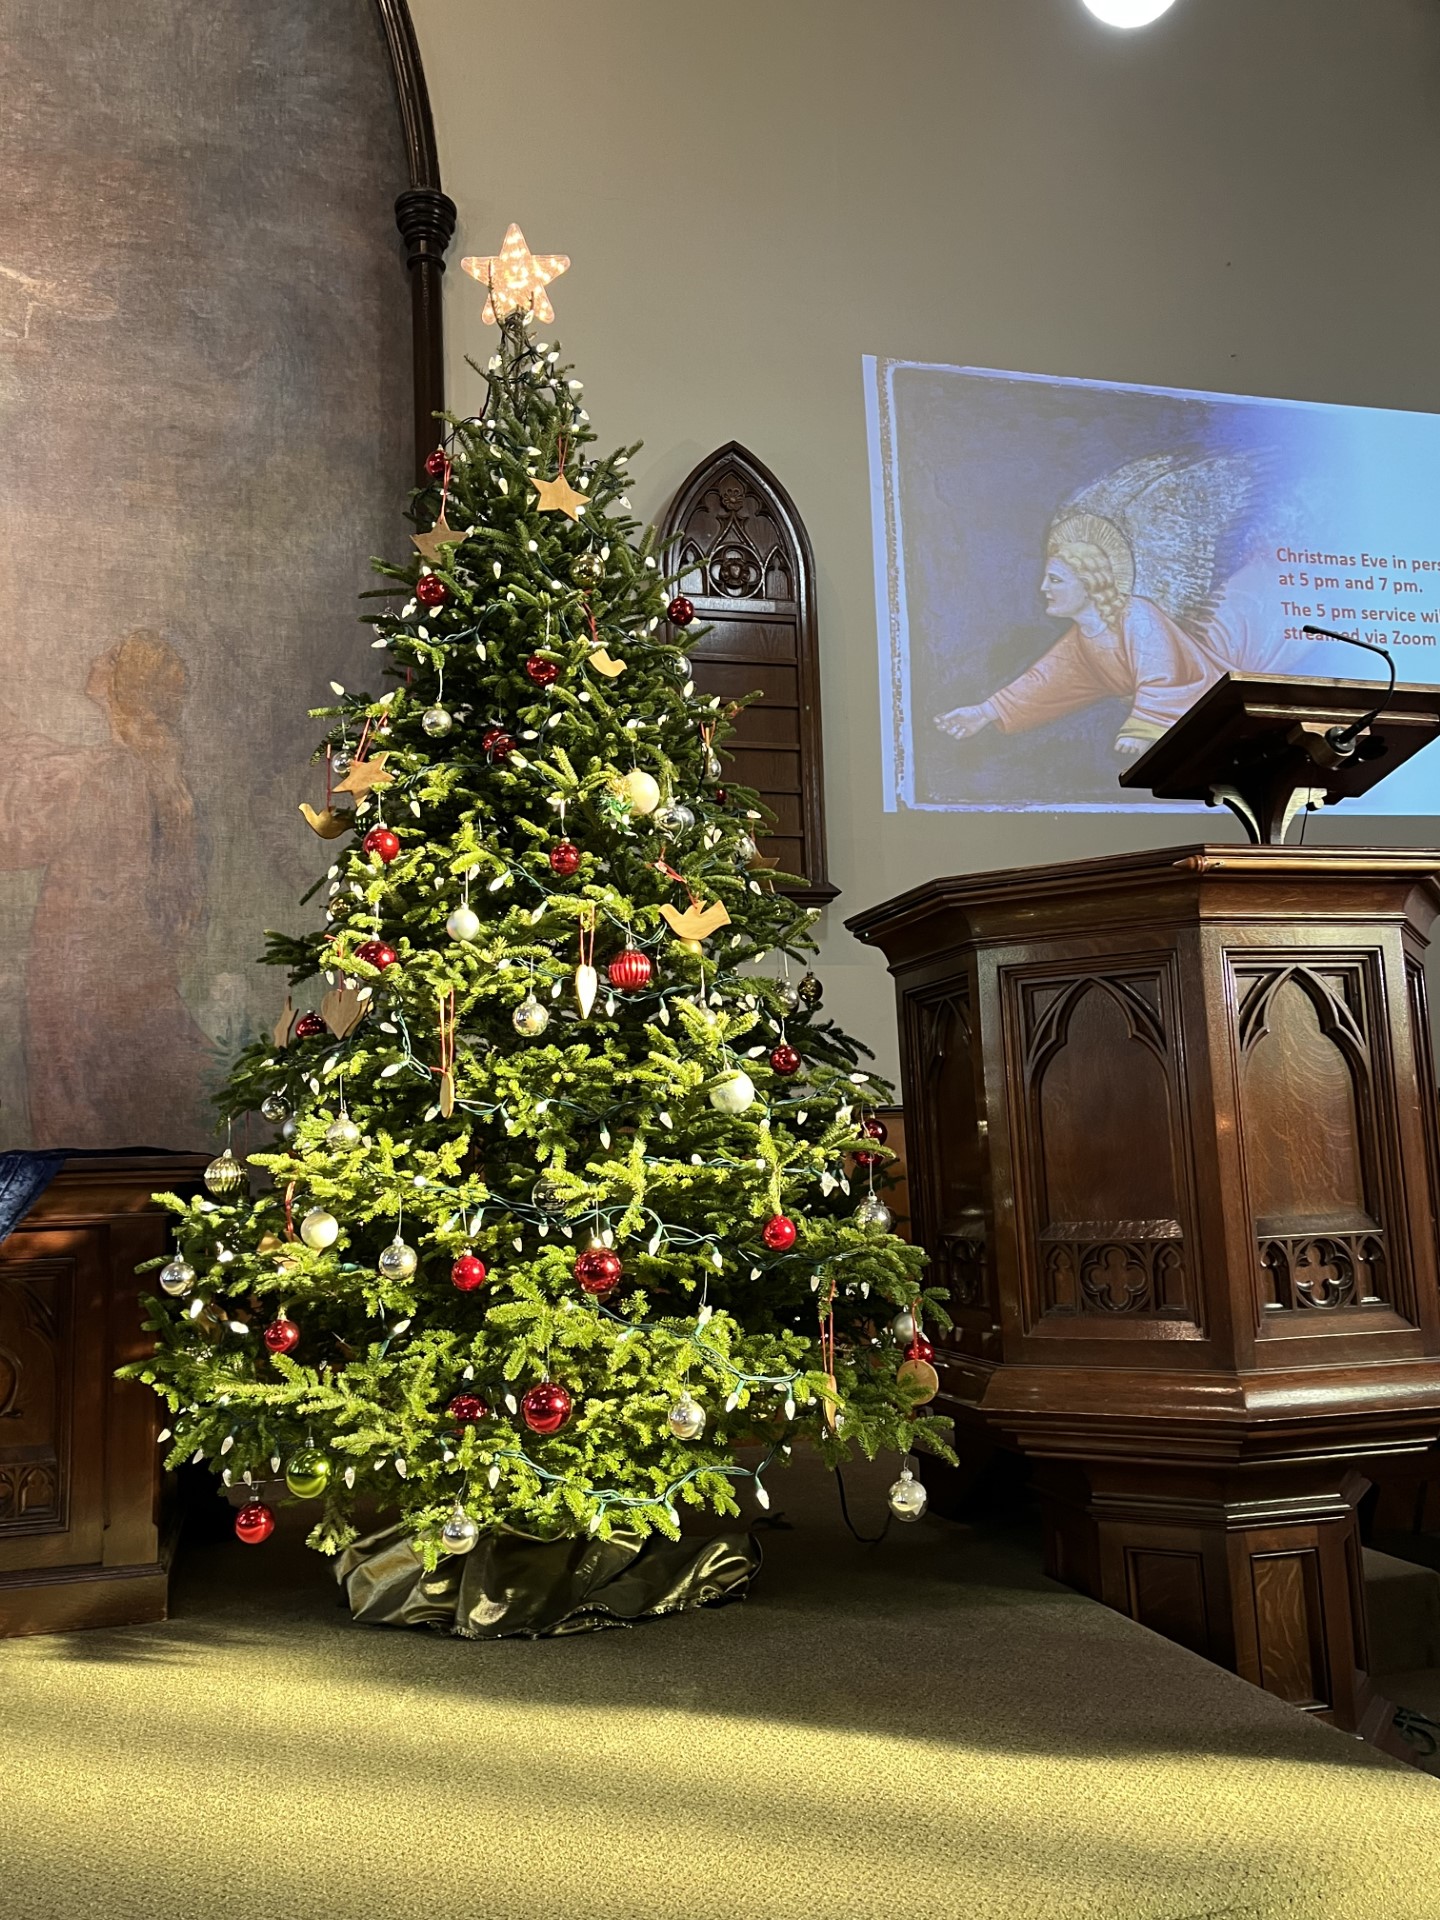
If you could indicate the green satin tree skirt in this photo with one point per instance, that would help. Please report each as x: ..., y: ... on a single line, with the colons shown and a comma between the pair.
x: 512, y: 1585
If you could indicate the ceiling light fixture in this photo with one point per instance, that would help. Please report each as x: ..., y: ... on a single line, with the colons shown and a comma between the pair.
x: 1128, y: 13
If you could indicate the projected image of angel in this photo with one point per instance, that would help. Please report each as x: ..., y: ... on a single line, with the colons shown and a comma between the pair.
x: 1131, y: 565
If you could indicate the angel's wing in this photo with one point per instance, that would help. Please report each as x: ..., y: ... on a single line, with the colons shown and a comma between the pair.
x: 1175, y: 510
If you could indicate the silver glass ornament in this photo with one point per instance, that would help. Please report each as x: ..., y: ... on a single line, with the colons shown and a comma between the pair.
x: 459, y: 1533
x: 546, y: 1197
x: 675, y: 817
x: 713, y: 768
x: 908, y: 1498
x: 177, y: 1277
x: 681, y: 668
x: 789, y: 996
x: 463, y: 924
x: 342, y: 1132
x: 745, y: 849
x: 275, y: 1107
x: 319, y: 1229
x: 530, y: 1017
x: 290, y: 1128
x: 341, y: 763
x: 397, y: 1261
x: 873, y: 1212
x: 436, y: 722
x: 733, y: 1093
x: 903, y: 1327
x: 686, y: 1419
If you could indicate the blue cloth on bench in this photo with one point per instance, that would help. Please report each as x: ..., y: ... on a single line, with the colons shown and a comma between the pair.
x: 23, y: 1178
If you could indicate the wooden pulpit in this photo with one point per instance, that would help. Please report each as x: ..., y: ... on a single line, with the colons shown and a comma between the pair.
x: 1173, y: 1149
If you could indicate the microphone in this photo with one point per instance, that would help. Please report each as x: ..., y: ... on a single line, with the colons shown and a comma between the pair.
x: 1343, y: 739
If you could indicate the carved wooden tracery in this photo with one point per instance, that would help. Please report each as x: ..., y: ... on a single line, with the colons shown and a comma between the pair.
x: 741, y: 549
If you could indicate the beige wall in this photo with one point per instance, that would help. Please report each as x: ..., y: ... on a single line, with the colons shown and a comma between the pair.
x: 1244, y: 198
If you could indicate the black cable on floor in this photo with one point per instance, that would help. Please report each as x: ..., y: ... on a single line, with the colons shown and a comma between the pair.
x: 866, y: 1540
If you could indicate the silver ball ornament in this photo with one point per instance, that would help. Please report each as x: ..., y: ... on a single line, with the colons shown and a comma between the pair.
x: 686, y: 1419
x: 682, y: 668
x: 788, y: 995
x: 530, y: 1017
x: 319, y: 1229
x: 177, y: 1277
x: 275, y: 1108
x: 290, y: 1128
x: 713, y: 768
x: 397, y: 1261
x: 903, y: 1327
x: 873, y: 1212
x: 745, y: 849
x: 341, y: 763
x: 342, y: 1132
x: 675, y: 818
x: 908, y: 1498
x: 463, y: 924
x: 733, y: 1093
x: 459, y: 1533
x: 436, y: 722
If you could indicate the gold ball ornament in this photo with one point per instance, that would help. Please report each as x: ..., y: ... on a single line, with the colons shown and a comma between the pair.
x: 691, y: 946
x: 224, y: 1176
x: 587, y: 569
x: 319, y: 1229
x: 308, y: 1473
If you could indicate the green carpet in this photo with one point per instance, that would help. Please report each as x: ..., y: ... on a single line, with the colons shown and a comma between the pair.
x: 927, y: 1727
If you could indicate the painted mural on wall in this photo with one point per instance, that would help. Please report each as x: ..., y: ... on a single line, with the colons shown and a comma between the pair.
x: 204, y: 400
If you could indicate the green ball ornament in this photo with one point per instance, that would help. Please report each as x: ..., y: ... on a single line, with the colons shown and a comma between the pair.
x: 308, y: 1473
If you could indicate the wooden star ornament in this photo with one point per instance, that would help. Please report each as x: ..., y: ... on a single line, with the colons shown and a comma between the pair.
x: 516, y: 277
x: 364, y: 775
x: 428, y: 545
x: 558, y: 496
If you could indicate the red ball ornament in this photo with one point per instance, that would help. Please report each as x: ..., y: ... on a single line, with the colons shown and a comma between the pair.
x: 919, y: 1349
x: 680, y: 611
x: 435, y: 464
x: 502, y: 746
x: 546, y: 1408
x: 599, y: 1270
x: 873, y: 1129
x: 564, y: 858
x: 722, y: 797
x: 281, y: 1336
x: 778, y: 1233
x: 254, y: 1523
x: 784, y: 1059
x: 542, y: 671
x: 376, y: 954
x: 629, y: 970
x: 431, y: 590
x: 309, y: 1026
x: 466, y: 1408
x: 467, y: 1272
x: 381, y: 844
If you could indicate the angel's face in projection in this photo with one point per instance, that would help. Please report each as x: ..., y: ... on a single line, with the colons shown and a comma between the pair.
x: 1066, y: 594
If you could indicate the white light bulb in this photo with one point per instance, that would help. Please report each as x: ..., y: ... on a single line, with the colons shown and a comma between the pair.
x: 1128, y: 13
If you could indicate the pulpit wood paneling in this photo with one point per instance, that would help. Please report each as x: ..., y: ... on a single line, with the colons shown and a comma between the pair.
x: 83, y: 1540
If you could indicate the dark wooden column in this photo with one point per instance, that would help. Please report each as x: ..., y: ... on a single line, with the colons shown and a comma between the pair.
x: 426, y: 219
x: 1173, y: 1148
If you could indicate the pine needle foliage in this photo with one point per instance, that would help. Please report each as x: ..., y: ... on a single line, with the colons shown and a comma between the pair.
x: 599, y: 1130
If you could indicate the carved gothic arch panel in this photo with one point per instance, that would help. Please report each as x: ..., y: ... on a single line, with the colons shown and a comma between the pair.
x: 733, y: 533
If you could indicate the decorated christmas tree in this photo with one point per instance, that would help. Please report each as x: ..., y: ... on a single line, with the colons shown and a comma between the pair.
x: 572, y: 1222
